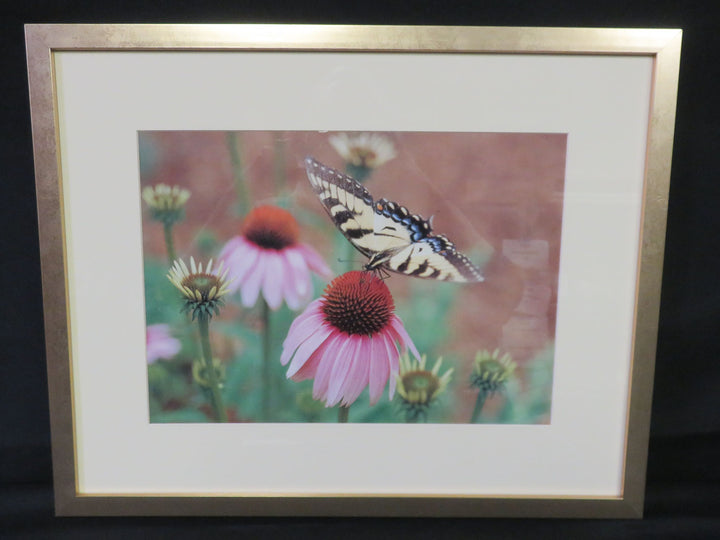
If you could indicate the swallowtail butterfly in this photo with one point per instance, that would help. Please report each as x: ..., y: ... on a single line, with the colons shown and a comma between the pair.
x: 385, y: 232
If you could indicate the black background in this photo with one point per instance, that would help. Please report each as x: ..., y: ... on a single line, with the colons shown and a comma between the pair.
x: 683, y: 492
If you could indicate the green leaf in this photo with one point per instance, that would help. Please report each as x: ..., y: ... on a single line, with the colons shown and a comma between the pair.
x: 163, y: 301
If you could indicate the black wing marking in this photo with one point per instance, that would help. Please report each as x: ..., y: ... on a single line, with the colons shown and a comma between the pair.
x: 347, y: 202
x: 434, y: 257
x: 414, y: 228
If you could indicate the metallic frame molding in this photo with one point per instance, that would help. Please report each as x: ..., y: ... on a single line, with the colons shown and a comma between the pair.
x: 42, y: 41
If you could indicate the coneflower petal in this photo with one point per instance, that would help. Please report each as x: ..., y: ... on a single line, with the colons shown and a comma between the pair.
x: 299, y: 335
x: 300, y: 272
x: 340, y: 369
x: 379, y: 368
x: 392, y: 356
x: 334, y: 347
x: 289, y: 292
x: 359, y: 375
x: 250, y: 287
x: 310, y: 367
x: 403, y: 337
x: 306, y: 349
x: 272, y: 288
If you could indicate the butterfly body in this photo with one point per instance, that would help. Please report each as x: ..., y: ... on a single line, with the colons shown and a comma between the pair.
x: 387, y: 233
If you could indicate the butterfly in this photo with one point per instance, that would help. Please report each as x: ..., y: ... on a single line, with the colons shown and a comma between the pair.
x: 385, y: 232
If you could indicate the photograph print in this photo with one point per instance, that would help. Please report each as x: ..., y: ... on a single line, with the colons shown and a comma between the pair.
x: 362, y: 277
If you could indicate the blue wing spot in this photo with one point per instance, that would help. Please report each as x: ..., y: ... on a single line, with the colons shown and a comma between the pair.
x: 438, y: 244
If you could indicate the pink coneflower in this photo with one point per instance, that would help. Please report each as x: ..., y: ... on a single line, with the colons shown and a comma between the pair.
x: 269, y: 257
x: 346, y: 340
x: 159, y: 342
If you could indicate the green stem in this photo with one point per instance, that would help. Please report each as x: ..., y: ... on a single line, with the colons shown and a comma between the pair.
x: 359, y: 173
x: 169, y: 244
x: 482, y: 396
x: 266, y: 374
x: 343, y: 414
x: 348, y: 261
x: 279, y: 161
x: 216, y: 398
x: 238, y: 173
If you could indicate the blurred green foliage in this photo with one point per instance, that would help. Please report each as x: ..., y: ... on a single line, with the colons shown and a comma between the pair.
x: 175, y: 397
x: 428, y: 303
x: 162, y: 302
x: 530, y: 405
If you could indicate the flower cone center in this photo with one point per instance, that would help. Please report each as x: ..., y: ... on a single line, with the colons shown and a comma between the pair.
x: 203, y: 283
x: 363, y: 156
x: 271, y: 227
x: 421, y: 383
x: 358, y: 303
x: 493, y: 368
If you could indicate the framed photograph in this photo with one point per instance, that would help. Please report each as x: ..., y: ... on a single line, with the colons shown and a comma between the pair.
x: 349, y: 270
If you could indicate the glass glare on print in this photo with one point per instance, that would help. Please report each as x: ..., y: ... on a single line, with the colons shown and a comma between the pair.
x: 268, y: 298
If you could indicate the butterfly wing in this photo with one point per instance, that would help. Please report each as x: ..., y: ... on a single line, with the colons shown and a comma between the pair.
x: 396, y: 228
x: 347, y: 202
x: 410, y: 247
x: 387, y: 232
x: 434, y: 257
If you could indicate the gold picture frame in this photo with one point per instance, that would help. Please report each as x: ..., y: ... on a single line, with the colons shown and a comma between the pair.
x: 47, y: 43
